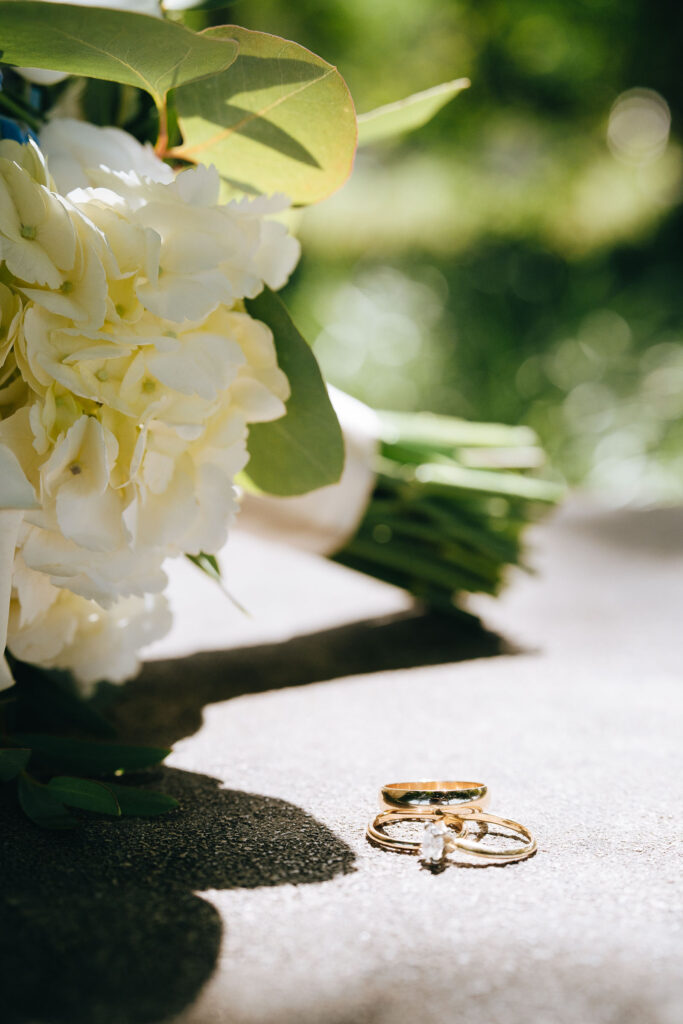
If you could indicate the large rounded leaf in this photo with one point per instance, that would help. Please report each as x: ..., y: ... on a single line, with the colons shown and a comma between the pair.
x: 135, y: 49
x: 304, y: 450
x: 280, y: 119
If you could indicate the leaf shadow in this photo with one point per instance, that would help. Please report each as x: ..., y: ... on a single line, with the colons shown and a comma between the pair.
x: 243, y: 76
x: 241, y: 121
x: 250, y: 74
x: 103, y: 925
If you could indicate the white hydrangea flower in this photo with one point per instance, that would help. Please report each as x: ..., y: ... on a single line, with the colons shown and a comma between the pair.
x: 11, y: 310
x: 28, y: 156
x: 74, y: 147
x: 100, y: 576
x: 209, y: 254
x: 55, y: 628
x: 37, y: 237
x: 129, y: 375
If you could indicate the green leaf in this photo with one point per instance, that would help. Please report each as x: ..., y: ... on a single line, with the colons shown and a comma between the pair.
x: 84, y: 793
x: 13, y: 761
x: 88, y: 755
x: 47, y: 698
x: 142, y: 801
x: 208, y: 564
x: 280, y: 119
x: 406, y: 115
x: 41, y: 806
x: 135, y: 49
x: 304, y: 449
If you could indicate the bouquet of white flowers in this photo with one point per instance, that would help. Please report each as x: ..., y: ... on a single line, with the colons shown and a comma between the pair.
x: 131, y: 372
x: 146, y: 366
x: 140, y: 341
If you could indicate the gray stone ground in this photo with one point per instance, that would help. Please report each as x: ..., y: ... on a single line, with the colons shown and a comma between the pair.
x: 260, y: 901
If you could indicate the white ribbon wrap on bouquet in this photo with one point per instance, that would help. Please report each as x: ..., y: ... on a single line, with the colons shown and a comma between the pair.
x: 324, y: 520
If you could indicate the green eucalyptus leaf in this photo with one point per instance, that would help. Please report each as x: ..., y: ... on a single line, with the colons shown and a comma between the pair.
x: 304, y: 449
x: 89, y: 755
x: 85, y: 794
x: 280, y: 119
x: 12, y: 762
x: 43, y: 807
x: 145, y: 802
x: 208, y: 564
x: 407, y: 115
x: 135, y: 49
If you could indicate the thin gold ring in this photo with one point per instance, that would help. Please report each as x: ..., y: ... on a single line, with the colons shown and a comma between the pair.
x: 377, y: 837
x: 476, y: 849
x: 427, y: 795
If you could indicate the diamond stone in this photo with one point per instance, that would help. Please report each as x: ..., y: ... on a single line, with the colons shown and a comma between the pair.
x: 435, y: 842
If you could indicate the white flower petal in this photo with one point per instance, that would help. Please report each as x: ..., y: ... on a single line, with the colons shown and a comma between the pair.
x: 15, y: 490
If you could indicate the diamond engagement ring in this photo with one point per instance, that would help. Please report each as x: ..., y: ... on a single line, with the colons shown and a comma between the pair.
x: 427, y: 795
x: 478, y: 849
x: 445, y: 832
x: 436, y: 827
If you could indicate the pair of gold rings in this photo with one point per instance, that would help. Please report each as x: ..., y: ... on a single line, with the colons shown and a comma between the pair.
x: 445, y: 809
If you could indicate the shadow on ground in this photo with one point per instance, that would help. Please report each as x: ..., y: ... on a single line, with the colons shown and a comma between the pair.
x: 102, y: 925
x: 166, y: 700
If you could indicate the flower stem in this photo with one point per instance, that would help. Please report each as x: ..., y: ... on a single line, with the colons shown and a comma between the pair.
x: 436, y: 524
x: 161, y: 146
x: 19, y: 111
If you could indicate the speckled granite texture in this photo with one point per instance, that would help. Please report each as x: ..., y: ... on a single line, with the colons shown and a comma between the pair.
x: 261, y: 903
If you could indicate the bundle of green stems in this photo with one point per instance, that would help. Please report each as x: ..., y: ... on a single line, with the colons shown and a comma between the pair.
x: 449, y: 507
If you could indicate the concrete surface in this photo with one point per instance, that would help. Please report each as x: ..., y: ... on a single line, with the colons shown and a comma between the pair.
x: 260, y: 901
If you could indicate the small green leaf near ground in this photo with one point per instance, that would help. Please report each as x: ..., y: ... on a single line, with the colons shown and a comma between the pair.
x: 146, y: 802
x: 96, y: 758
x: 84, y: 794
x: 42, y: 806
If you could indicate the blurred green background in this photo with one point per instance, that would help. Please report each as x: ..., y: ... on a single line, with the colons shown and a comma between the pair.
x: 518, y: 259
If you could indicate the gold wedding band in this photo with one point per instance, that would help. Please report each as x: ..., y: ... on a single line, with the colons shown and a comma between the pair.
x: 375, y: 830
x: 427, y: 795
